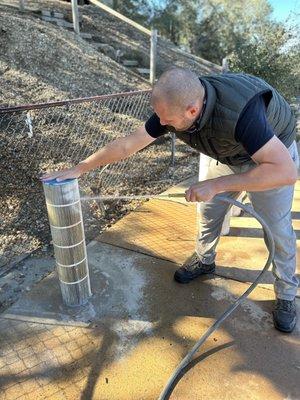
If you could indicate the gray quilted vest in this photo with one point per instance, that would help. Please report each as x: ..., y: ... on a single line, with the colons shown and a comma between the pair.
x: 226, y: 97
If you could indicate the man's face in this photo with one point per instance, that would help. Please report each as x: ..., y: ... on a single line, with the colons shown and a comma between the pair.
x: 181, y: 120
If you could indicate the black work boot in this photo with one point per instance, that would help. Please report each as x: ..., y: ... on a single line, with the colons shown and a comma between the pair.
x: 192, y: 269
x: 284, y: 315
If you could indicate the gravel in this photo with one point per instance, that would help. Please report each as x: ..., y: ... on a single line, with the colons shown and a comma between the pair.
x: 42, y: 62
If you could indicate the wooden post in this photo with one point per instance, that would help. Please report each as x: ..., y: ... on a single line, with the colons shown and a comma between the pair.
x: 120, y: 16
x: 153, y: 54
x: 65, y: 217
x: 225, y: 67
x: 75, y: 14
x: 173, y: 149
x: 22, y: 5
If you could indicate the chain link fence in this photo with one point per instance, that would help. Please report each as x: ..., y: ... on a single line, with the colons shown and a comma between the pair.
x: 39, y: 138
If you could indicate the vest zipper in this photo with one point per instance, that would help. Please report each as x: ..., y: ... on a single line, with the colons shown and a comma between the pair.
x: 203, y: 146
x: 200, y: 140
x: 213, y: 149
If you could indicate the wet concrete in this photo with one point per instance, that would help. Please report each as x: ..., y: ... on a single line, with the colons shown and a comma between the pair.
x: 140, y: 323
x: 144, y: 324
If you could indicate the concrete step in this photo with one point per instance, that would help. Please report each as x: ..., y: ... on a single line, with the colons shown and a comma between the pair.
x: 58, y: 21
x: 58, y: 15
x: 130, y: 63
x: 64, y: 24
x: 106, y: 49
x: 103, y: 47
x: 53, y: 14
x: 49, y: 18
x: 143, y: 71
x: 46, y: 13
x: 86, y: 35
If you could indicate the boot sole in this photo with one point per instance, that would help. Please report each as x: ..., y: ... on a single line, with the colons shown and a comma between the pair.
x: 187, y: 280
x: 286, y: 330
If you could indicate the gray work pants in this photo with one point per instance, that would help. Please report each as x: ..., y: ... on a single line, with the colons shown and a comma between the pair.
x: 274, y: 206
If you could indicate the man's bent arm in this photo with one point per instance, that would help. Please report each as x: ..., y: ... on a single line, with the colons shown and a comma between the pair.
x: 275, y: 169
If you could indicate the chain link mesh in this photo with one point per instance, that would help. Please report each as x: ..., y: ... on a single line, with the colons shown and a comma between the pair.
x: 35, y: 140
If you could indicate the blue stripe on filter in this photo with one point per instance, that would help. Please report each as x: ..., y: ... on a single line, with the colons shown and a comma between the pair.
x: 54, y: 182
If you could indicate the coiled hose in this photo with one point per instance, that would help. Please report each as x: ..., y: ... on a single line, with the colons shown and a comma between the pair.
x: 270, y: 245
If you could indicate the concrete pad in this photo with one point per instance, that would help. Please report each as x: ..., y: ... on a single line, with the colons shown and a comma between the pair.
x: 142, y: 324
x: 22, y: 278
x: 163, y: 229
x: 148, y: 227
x: 167, y: 230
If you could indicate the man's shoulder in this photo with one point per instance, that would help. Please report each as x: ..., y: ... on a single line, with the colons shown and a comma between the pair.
x: 232, y: 77
x: 234, y: 86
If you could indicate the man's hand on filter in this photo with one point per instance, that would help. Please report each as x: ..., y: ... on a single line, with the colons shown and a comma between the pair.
x: 70, y: 173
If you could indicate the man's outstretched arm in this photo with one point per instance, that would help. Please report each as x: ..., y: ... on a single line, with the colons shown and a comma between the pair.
x: 114, y: 151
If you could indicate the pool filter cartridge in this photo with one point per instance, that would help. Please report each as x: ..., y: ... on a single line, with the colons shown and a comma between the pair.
x: 66, y: 223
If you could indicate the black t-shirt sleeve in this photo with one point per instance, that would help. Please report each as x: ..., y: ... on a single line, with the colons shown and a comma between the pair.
x: 154, y: 127
x: 253, y: 130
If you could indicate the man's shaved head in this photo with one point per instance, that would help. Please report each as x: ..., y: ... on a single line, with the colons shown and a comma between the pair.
x: 178, y: 88
x: 178, y: 98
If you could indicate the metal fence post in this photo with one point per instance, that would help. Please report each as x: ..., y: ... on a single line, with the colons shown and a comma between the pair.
x: 225, y: 66
x: 22, y: 5
x: 153, y: 54
x: 65, y: 217
x: 75, y: 14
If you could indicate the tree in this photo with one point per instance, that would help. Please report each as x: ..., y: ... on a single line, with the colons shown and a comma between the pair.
x: 138, y: 10
x: 245, y: 32
x: 269, y: 56
x: 165, y: 19
x: 214, y: 29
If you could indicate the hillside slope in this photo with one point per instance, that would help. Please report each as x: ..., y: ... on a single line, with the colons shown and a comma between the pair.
x: 132, y: 42
x: 40, y: 62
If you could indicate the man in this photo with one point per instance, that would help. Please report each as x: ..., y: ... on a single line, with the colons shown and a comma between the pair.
x: 248, y: 130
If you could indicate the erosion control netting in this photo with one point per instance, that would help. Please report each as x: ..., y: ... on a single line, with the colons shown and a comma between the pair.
x: 34, y: 140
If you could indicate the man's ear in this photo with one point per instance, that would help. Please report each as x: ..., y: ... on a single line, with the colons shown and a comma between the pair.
x: 193, y: 110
